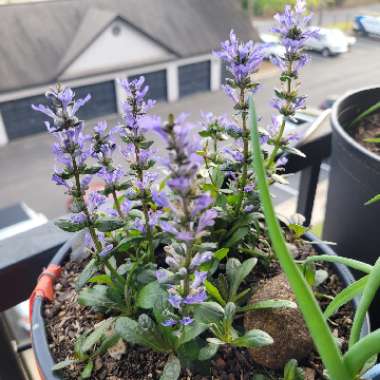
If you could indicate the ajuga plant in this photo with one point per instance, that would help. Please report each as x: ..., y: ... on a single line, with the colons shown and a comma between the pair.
x: 173, y: 241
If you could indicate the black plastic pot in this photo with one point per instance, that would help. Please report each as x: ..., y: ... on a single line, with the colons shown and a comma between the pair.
x: 41, y: 350
x: 354, y: 179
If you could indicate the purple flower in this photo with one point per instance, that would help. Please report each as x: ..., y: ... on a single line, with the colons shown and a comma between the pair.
x: 185, y: 236
x: 281, y: 161
x: 79, y: 218
x: 249, y: 188
x: 106, y: 250
x: 198, y: 295
x: 162, y: 275
x: 111, y: 177
x: 186, y: 321
x: 242, y: 59
x: 169, y: 322
x: 201, y: 203
x: 207, y: 219
x: 200, y: 258
x: 126, y: 206
x: 175, y: 300
x: 167, y: 227
x: 199, y: 279
x: 160, y: 198
x: 234, y: 153
x: 248, y: 208
x: 95, y: 200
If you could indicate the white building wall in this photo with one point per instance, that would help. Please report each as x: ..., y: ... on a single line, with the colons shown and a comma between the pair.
x: 216, y: 74
x: 3, y: 132
x: 111, y: 51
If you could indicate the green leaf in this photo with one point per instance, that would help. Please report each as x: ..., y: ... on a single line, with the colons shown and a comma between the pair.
x: 237, y: 236
x: 254, y: 338
x: 216, y: 341
x: 108, y: 224
x: 214, y: 292
x: 132, y: 332
x: 208, y: 312
x: 374, y: 140
x: 367, y: 112
x: 190, y: 332
x: 66, y: 225
x: 89, y: 270
x: 240, y: 274
x: 87, y: 370
x: 268, y: 304
x: 148, y: 295
x: 96, y: 335
x: 172, y: 369
x: 369, y: 293
x: 101, y: 279
x: 207, y: 352
x: 355, y: 264
x: 319, y: 330
x: 107, y: 343
x: 292, y: 371
x: 375, y: 199
x: 346, y: 295
x: 63, y: 364
x: 221, y: 253
x: 297, y: 229
x: 96, y: 297
x: 129, y: 242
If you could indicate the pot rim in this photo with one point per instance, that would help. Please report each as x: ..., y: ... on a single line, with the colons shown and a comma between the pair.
x: 40, y: 344
x: 339, y: 128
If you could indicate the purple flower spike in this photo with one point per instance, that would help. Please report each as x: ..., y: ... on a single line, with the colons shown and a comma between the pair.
x: 201, y: 258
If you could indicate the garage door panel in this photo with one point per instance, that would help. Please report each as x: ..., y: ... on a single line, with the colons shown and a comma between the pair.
x: 102, y: 103
x: 194, y: 78
x: 19, y: 118
x: 156, y: 81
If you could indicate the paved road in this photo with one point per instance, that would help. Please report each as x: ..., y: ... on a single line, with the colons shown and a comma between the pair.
x: 26, y: 164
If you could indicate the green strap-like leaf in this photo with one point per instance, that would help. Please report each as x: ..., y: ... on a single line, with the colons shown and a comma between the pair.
x: 268, y: 304
x: 310, y: 309
x: 355, y: 264
x: 346, y: 295
x: 369, y: 293
x: 367, y: 112
x: 254, y: 338
x: 63, y: 364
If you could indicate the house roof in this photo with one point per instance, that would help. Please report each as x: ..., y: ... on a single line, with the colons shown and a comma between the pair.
x: 39, y: 40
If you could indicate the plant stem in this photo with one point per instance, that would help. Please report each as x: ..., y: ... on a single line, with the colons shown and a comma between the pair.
x: 245, y: 137
x: 319, y: 330
x: 117, y: 204
x: 91, y: 228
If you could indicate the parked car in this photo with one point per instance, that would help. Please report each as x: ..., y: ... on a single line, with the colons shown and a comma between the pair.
x: 271, y: 46
x: 330, y: 42
x: 367, y: 25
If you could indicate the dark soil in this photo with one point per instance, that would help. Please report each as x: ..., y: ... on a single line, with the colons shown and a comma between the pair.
x: 368, y: 128
x: 66, y: 320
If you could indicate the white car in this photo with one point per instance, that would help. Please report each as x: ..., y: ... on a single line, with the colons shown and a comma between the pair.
x: 367, y: 25
x: 330, y: 42
x: 271, y: 46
